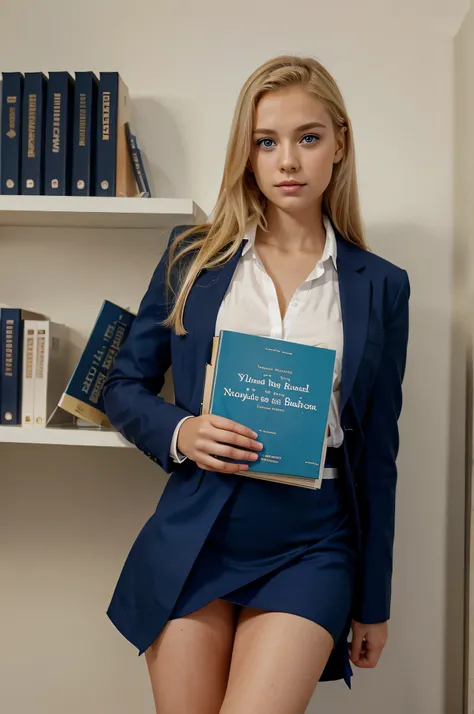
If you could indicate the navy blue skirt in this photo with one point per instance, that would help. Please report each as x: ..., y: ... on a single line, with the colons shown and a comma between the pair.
x: 285, y: 549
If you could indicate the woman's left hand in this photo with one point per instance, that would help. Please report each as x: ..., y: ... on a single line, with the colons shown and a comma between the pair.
x: 367, y: 643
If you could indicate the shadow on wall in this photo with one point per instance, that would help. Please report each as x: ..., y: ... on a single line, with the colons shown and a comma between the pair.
x: 162, y: 147
x: 436, y: 343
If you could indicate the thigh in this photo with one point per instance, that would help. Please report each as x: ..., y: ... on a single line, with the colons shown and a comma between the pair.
x: 189, y: 662
x: 277, y: 661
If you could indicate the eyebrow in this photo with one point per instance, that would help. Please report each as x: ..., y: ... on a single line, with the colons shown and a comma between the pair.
x: 304, y: 127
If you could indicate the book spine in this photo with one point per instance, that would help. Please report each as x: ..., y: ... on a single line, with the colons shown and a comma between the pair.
x: 58, y: 141
x: 84, y: 134
x: 12, y: 330
x: 107, y: 127
x: 30, y: 330
x: 33, y: 128
x: 10, y: 150
x: 41, y: 374
x: 137, y: 163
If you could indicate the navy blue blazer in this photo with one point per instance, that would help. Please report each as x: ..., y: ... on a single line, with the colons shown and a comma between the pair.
x: 374, y: 300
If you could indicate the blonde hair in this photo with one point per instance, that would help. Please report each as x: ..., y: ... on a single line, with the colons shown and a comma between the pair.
x: 240, y: 201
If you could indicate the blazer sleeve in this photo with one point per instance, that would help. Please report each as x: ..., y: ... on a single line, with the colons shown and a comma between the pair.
x: 131, y: 391
x: 376, y: 475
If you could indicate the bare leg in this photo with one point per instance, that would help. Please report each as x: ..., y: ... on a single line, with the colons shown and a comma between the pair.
x: 276, y: 663
x: 189, y: 662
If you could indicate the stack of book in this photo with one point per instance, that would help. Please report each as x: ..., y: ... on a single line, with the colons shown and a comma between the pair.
x: 36, y: 387
x: 68, y: 136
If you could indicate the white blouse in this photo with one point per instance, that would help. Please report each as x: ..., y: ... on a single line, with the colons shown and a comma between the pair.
x: 313, y: 316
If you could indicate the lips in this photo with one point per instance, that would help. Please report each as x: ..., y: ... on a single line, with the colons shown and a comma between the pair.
x: 290, y: 188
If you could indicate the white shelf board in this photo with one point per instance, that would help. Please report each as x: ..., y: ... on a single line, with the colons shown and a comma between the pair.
x: 98, y: 212
x: 66, y: 436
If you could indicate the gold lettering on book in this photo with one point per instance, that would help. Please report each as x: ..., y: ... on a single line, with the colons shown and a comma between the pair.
x: 56, y: 122
x: 40, y: 355
x: 82, y: 119
x: 29, y: 354
x: 9, y: 348
x: 96, y: 392
x: 106, y: 116
x: 31, y: 126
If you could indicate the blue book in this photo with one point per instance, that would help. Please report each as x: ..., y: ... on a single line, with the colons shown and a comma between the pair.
x: 83, y: 395
x: 10, y: 147
x: 282, y: 391
x: 32, y: 133
x: 58, y: 135
x: 11, y: 341
x: 137, y: 162
x: 114, y: 170
x: 84, y: 134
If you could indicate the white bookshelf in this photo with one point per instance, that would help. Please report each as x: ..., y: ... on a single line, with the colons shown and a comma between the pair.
x: 97, y: 212
x: 62, y: 436
x: 64, y: 257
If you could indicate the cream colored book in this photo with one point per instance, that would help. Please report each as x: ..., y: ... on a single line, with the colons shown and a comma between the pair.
x: 30, y: 331
x: 51, y: 369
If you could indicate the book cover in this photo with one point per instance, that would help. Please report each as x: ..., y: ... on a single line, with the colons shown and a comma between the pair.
x: 12, y: 362
x: 84, y: 134
x: 83, y: 394
x: 10, y: 147
x: 114, y: 170
x: 30, y: 331
x: 33, y: 133
x: 282, y: 391
x: 58, y: 135
x: 50, y: 373
x: 141, y: 178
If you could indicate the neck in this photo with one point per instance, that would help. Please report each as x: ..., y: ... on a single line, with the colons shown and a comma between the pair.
x: 294, y: 231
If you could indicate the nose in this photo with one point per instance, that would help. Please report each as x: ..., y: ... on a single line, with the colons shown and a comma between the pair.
x: 288, y: 158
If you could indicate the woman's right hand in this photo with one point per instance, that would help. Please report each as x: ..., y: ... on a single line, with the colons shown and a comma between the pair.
x: 201, y: 438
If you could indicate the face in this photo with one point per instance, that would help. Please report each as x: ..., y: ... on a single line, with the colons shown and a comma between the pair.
x: 294, y: 140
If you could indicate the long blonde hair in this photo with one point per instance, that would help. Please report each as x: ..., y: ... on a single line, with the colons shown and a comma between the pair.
x: 240, y: 201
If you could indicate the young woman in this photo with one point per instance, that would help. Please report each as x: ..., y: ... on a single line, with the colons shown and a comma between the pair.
x: 240, y: 592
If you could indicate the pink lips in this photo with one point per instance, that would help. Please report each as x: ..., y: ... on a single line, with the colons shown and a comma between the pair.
x: 290, y: 188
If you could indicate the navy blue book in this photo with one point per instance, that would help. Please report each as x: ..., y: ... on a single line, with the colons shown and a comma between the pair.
x: 33, y: 133
x: 282, y: 391
x: 84, y: 134
x: 10, y: 147
x: 83, y: 394
x: 137, y: 162
x: 114, y: 170
x: 58, y: 141
x: 11, y: 342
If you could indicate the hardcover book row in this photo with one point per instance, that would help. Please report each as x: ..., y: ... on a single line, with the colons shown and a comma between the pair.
x: 35, y: 387
x: 63, y: 136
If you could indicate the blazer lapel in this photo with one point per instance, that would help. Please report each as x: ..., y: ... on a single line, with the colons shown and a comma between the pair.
x: 204, y: 302
x: 354, y: 290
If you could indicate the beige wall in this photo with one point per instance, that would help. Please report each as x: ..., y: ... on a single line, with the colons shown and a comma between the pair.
x: 463, y: 285
x: 69, y: 515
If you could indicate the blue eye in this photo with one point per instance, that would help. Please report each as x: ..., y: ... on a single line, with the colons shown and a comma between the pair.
x: 310, y: 136
x: 260, y: 143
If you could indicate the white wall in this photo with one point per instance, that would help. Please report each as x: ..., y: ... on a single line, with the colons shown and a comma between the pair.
x: 69, y: 515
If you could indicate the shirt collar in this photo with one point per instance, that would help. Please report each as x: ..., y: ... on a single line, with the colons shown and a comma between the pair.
x: 330, y: 247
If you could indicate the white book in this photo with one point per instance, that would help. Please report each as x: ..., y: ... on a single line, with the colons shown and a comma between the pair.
x: 30, y: 332
x: 51, y: 369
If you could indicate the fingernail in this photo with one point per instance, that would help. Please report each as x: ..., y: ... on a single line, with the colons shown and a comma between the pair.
x: 259, y: 445
x: 254, y: 433
x: 254, y: 457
